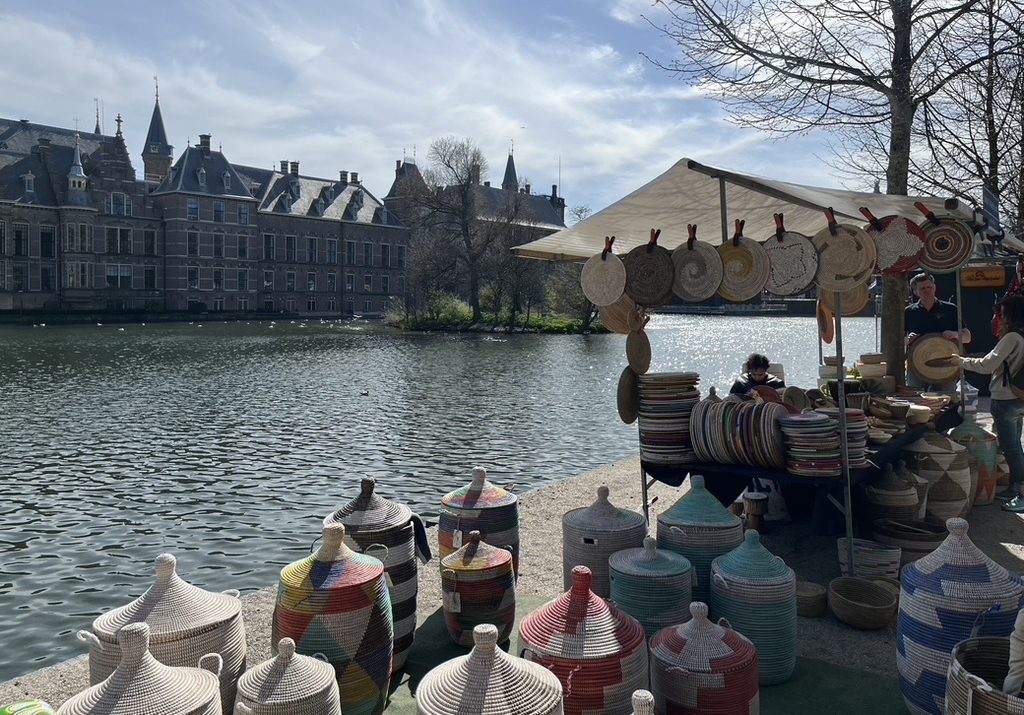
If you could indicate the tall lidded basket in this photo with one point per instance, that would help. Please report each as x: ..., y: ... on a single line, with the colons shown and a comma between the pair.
x: 755, y: 591
x: 982, y: 451
x: 592, y: 534
x: 653, y: 585
x: 371, y: 520
x: 953, y: 593
x: 185, y: 623
x: 596, y: 651
x: 701, y: 529
x: 335, y: 603
x: 478, y: 586
x: 480, y: 506
x: 944, y: 464
x: 288, y: 684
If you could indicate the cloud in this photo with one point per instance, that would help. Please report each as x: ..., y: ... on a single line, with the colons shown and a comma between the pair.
x: 630, y: 11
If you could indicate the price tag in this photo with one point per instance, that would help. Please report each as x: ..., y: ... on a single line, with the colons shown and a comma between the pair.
x: 457, y: 538
x: 452, y: 601
x: 391, y: 584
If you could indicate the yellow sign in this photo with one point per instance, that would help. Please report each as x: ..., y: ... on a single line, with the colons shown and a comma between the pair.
x: 994, y: 277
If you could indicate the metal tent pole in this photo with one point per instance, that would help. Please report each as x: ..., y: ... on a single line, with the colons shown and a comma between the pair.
x: 723, y: 207
x: 844, y: 447
x: 959, y: 342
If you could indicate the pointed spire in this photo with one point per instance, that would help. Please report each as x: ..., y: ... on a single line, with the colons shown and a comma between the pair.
x: 76, y: 164
x: 511, y: 181
x: 97, y: 130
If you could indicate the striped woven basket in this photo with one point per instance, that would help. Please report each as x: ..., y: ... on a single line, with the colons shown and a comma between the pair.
x: 653, y: 585
x: 335, y: 603
x: 596, y: 651
x: 185, y: 623
x: 488, y: 681
x: 977, y: 669
x: 478, y: 586
x: 479, y: 506
x: 289, y: 684
x: 870, y: 558
x: 955, y: 592
x: 590, y: 535
x: 371, y: 521
x: 141, y: 685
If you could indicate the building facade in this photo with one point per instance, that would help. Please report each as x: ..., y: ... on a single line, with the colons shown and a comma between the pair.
x: 80, y: 233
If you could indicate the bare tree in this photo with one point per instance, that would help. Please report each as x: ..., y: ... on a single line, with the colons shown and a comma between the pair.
x: 862, y: 68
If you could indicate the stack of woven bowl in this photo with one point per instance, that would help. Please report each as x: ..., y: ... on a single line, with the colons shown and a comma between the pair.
x: 982, y: 450
x: 480, y: 506
x: 914, y: 538
x: 488, y: 681
x: 699, y: 668
x: 596, y: 651
x: 141, y: 685
x: 944, y: 464
x: 289, y: 684
x: 953, y: 593
x: 701, y: 529
x: 653, y: 585
x: 370, y: 521
x: 478, y: 586
x: 590, y: 535
x: 755, y: 591
x: 185, y: 623
x: 335, y: 603
x: 977, y: 669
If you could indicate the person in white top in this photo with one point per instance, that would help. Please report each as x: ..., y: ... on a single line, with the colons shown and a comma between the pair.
x: 1003, y: 361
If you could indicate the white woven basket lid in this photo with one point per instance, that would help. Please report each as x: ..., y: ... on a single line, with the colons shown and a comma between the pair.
x: 650, y: 561
x: 288, y: 679
x: 603, y: 516
x: 141, y: 685
x: 370, y: 512
x: 172, y: 607
x: 643, y: 702
x: 489, y: 681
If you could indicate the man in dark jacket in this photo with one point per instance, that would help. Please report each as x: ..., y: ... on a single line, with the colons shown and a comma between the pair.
x: 755, y: 374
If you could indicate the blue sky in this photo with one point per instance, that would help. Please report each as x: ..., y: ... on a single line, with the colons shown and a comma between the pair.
x: 353, y: 86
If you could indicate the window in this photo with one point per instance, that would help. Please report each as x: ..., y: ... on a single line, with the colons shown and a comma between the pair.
x: 193, y: 278
x: 192, y: 212
x: 332, y: 251
x: 70, y: 238
x: 149, y: 241
x: 311, y: 281
x: 399, y: 256
x: 77, y: 275
x: 332, y: 283
x: 243, y: 214
x: 119, y: 204
x: 3, y: 240
x: 243, y: 280
x: 268, y: 247
x: 243, y: 304
x: 218, y: 211
x: 243, y: 246
x: 45, y: 281
x: 47, y: 242
x: 119, y: 276
x: 332, y: 305
x: 350, y: 282
x: 21, y: 239
x: 84, y: 238
x: 289, y: 280
x: 368, y: 283
x: 119, y: 241
x: 385, y: 284
x: 149, y: 280
x: 350, y: 253
x: 218, y: 304
x: 367, y: 306
x: 218, y: 279
x: 385, y: 255
x: 401, y: 284
x: 350, y: 307
x: 226, y: 178
x: 367, y: 254
x: 201, y: 175
x: 311, y: 250
x: 218, y: 245
x: 290, y: 305
x: 18, y: 277
x: 193, y: 242
x: 289, y: 248
x: 268, y: 305
x: 311, y: 305
x: 268, y: 280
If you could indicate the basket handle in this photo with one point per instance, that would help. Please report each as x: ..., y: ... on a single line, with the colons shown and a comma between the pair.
x: 724, y: 622
x: 212, y: 662
x: 451, y: 573
x: 378, y: 546
x: 242, y: 709
x: 682, y: 532
x: 91, y: 639
x: 717, y: 578
x: 234, y: 592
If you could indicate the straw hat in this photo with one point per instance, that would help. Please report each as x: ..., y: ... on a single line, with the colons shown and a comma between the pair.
x: 745, y: 269
x: 794, y: 263
x: 946, y: 246
x: 289, y: 684
x: 698, y: 271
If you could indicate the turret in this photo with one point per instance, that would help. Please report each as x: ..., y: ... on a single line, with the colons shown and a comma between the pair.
x: 157, y: 153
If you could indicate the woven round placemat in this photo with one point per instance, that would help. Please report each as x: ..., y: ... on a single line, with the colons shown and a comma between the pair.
x: 745, y: 269
x: 844, y: 260
x: 826, y: 324
x: 793, y: 262
x: 900, y: 245
x: 615, y: 317
x: 638, y: 352
x: 854, y: 300
x: 946, y: 246
x: 930, y: 347
x: 698, y: 273
x: 650, y: 274
x: 603, y: 278
x: 628, y: 396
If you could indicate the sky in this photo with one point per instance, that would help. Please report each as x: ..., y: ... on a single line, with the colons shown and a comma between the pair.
x: 355, y: 86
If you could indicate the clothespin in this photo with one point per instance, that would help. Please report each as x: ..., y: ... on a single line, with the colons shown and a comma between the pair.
x: 875, y: 223
x: 691, y: 231
x: 739, y: 232
x: 655, y: 232
x: 928, y: 213
x: 833, y: 226
x: 608, y: 241
x: 780, y: 229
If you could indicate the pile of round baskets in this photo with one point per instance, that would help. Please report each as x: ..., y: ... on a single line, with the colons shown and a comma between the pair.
x: 488, y: 681
x: 870, y: 558
x: 479, y: 506
x: 289, y: 684
x: 185, y: 623
x: 596, y: 651
x: 370, y: 521
x: 953, y: 593
x: 861, y: 602
x: 590, y: 535
x: 944, y: 464
x: 755, y: 591
x: 652, y: 585
x: 976, y: 672
x: 701, y: 529
x: 335, y: 603
x: 141, y: 685
x: 478, y: 586
x: 700, y: 668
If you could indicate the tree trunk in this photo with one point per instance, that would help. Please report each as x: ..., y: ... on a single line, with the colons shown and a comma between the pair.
x: 474, y: 291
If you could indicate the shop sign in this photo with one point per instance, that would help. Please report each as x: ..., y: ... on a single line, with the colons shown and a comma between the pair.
x: 993, y: 277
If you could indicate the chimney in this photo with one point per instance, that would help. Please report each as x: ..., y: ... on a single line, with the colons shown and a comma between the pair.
x: 343, y: 177
x: 554, y: 191
x: 44, y: 143
x: 294, y: 168
x: 527, y: 189
x: 354, y: 177
x: 284, y: 166
x: 398, y: 165
x: 474, y: 174
x: 487, y: 184
x: 204, y: 143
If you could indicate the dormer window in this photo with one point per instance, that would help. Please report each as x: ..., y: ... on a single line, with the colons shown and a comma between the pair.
x: 30, y: 181
x: 330, y: 193
x: 320, y: 205
x: 357, y: 200
x: 294, y: 188
x: 201, y: 175
x: 227, y: 179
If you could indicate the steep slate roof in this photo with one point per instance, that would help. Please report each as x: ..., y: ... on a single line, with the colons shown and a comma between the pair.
x: 12, y: 187
x: 511, y: 181
x: 19, y: 137
x: 534, y: 211
x: 184, y: 175
x: 156, y: 135
x: 408, y: 180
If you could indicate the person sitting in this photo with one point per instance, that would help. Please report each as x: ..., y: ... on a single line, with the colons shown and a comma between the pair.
x: 931, y: 315
x: 755, y: 374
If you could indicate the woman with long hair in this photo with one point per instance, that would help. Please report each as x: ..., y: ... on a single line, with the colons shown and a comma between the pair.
x: 1005, y: 360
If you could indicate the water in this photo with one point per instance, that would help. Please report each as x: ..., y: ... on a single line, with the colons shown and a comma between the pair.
x: 227, y: 444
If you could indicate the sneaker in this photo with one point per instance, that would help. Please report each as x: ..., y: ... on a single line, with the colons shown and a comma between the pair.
x: 1016, y: 505
x: 1007, y: 494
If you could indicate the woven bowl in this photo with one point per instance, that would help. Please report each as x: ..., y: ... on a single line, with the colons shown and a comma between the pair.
x: 861, y: 603
x: 872, y: 358
x: 811, y: 599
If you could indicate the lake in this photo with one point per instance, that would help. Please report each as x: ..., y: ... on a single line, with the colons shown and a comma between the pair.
x: 226, y: 444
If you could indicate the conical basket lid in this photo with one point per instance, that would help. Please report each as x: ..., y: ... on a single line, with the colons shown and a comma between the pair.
x: 477, y: 555
x: 289, y: 678
x: 932, y: 442
x: 141, y: 685
x: 698, y: 645
x: 488, y: 680
x: 580, y: 625
x: 698, y: 507
x: 479, y: 494
x: 334, y: 566
x: 602, y: 515
x: 370, y: 512
x: 171, y: 606
x: 650, y: 561
x: 751, y: 561
x: 970, y: 431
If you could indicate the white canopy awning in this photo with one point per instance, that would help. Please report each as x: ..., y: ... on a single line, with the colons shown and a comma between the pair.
x: 690, y: 192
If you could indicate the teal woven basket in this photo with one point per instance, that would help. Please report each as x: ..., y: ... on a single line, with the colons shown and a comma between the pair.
x: 701, y: 529
x: 653, y: 585
x: 755, y: 591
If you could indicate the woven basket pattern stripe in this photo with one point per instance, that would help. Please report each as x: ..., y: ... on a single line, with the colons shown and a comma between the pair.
x: 871, y: 558
x: 944, y: 464
x: 478, y: 586
x: 592, y: 534
x: 977, y: 669
x: 479, y: 506
x: 915, y: 538
x: 953, y: 593
x: 289, y: 684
